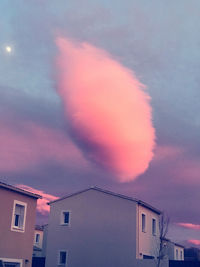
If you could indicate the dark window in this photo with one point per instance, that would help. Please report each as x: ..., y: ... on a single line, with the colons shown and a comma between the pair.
x: 37, y: 238
x: 143, y: 222
x: 146, y: 257
x: 19, y: 216
x: 16, y: 219
x: 65, y: 217
x: 153, y: 226
x: 63, y: 257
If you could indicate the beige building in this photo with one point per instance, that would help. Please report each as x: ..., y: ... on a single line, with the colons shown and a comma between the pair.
x: 17, y: 223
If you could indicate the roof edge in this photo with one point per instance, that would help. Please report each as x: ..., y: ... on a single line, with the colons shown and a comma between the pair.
x: 19, y: 190
x: 140, y: 202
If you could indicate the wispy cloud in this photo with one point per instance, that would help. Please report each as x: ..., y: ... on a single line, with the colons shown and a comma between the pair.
x: 30, y: 144
x: 42, y: 206
x: 189, y: 225
x: 163, y: 152
x: 194, y: 242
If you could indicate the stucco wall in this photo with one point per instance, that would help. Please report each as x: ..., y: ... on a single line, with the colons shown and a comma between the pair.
x: 148, y: 244
x: 179, y: 252
x: 18, y: 245
x: 102, y: 231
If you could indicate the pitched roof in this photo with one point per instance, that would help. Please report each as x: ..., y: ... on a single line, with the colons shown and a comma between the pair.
x: 176, y: 244
x: 18, y: 190
x: 140, y: 202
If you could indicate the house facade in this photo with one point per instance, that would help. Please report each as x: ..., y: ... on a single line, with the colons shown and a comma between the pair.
x: 38, y: 241
x: 17, y: 222
x: 173, y: 251
x: 95, y: 227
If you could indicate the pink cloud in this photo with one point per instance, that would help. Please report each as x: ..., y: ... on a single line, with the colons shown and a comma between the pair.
x: 194, y: 242
x: 166, y: 151
x: 42, y: 206
x: 32, y: 144
x: 189, y: 226
x: 109, y: 113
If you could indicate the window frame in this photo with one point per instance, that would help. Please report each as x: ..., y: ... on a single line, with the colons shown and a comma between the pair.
x: 154, y: 230
x: 37, y: 242
x: 145, y: 224
x: 20, y: 261
x: 181, y: 255
x: 176, y: 253
x: 16, y: 228
x: 62, y: 264
x: 62, y: 217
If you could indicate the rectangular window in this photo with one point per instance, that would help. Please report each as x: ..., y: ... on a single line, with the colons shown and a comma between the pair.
x: 176, y: 254
x: 143, y: 223
x: 19, y: 216
x: 65, y: 217
x: 153, y: 226
x: 37, y: 238
x: 181, y: 255
x: 63, y: 258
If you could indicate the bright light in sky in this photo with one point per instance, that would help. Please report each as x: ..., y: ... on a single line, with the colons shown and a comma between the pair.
x: 8, y: 49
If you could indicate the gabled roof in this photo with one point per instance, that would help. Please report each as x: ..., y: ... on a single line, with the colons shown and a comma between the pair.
x: 176, y: 244
x: 140, y: 202
x: 179, y: 245
x: 18, y: 190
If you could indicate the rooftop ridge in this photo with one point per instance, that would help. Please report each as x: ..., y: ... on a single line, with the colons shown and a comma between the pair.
x: 19, y: 190
x: 140, y: 202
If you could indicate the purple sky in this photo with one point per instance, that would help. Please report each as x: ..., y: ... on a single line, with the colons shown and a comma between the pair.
x: 159, y: 41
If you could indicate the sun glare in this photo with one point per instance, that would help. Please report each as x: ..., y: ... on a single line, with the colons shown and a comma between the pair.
x: 8, y: 49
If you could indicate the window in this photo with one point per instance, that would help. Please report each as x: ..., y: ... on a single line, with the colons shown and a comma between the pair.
x: 181, y: 255
x: 62, y: 258
x: 153, y: 226
x: 37, y: 238
x: 65, y: 217
x: 19, y: 216
x: 143, y: 223
x: 176, y: 254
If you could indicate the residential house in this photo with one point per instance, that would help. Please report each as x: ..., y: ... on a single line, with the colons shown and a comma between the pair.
x: 96, y: 227
x: 38, y: 241
x: 173, y: 251
x: 17, y: 222
x: 40, y: 237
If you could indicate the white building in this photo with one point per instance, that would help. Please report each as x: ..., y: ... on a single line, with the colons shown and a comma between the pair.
x: 95, y: 227
x: 173, y: 251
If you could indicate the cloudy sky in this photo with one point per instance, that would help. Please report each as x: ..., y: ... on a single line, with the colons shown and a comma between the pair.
x: 104, y: 93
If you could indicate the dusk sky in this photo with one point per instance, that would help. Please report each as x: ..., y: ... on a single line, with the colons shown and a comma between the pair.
x: 104, y: 93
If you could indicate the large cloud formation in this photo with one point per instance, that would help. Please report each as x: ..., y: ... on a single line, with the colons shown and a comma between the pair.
x: 108, y: 112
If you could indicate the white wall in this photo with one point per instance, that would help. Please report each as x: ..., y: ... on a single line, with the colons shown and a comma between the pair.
x: 102, y: 231
x: 39, y: 245
x: 148, y: 244
x: 179, y: 253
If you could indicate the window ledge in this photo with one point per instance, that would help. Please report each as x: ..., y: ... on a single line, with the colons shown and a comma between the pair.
x: 17, y: 229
